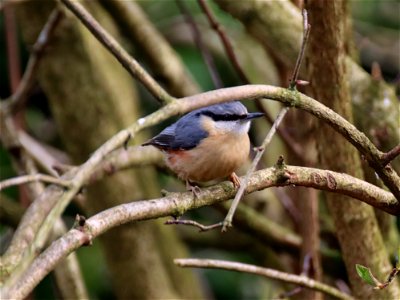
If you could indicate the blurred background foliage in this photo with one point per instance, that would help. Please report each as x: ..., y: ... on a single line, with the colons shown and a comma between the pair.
x: 376, y: 32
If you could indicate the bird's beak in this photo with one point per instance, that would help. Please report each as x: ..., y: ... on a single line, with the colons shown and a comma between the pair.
x: 254, y: 115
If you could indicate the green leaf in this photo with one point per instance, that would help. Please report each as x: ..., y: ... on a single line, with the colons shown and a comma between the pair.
x: 366, y: 275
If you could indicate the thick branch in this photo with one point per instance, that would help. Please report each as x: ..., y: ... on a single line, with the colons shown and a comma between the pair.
x: 178, y: 203
x: 298, y: 100
x: 61, y: 198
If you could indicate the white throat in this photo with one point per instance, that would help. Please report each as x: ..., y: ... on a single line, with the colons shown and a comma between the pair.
x: 238, y: 127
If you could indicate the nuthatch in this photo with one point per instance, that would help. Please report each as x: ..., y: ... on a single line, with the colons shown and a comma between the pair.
x: 208, y: 143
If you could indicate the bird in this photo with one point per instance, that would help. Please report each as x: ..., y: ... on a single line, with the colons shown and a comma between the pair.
x: 207, y: 144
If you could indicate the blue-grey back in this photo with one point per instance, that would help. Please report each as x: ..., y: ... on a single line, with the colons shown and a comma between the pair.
x: 187, y: 133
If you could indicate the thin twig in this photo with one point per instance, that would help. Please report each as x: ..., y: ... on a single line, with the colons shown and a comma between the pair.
x: 128, y: 62
x: 306, y: 33
x: 392, y: 275
x: 25, y: 86
x: 390, y: 155
x: 304, y: 272
x: 291, y: 293
x: 291, y: 144
x: 44, y: 155
x: 263, y: 229
x: 269, y: 273
x: 31, y: 178
x: 201, y: 227
x: 290, y: 208
x: 243, y: 185
x: 208, y: 59
x: 11, y: 35
x: 228, y: 219
x: 225, y: 40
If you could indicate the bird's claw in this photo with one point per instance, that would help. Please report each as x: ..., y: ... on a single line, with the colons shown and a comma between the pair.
x: 193, y: 188
x: 235, y: 180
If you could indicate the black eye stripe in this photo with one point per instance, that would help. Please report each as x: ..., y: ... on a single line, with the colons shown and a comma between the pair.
x: 224, y: 117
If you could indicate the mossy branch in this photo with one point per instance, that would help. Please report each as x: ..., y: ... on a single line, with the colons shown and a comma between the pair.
x: 179, y: 203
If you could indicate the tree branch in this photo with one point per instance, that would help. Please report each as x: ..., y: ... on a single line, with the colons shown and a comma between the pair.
x: 179, y: 203
x: 300, y: 280
x: 201, y: 227
x: 224, y: 39
x: 301, y: 101
x: 390, y: 155
x: 31, y: 178
x: 243, y: 184
x: 306, y: 33
x: 60, y: 198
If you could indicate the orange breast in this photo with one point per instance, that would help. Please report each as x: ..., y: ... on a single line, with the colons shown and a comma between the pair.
x: 214, y: 158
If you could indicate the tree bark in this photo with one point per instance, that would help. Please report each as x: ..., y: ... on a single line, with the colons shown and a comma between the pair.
x: 356, y: 225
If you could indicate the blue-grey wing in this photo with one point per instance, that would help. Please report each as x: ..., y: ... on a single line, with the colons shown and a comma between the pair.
x: 185, y: 134
x: 164, y: 139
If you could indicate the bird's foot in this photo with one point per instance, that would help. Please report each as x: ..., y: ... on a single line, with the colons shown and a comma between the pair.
x: 193, y: 188
x: 235, y: 180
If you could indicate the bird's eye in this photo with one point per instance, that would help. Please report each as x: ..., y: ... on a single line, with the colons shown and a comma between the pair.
x: 227, y: 117
x: 224, y: 117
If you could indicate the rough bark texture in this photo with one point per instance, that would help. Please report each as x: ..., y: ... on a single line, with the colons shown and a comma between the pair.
x: 91, y: 98
x: 356, y: 226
